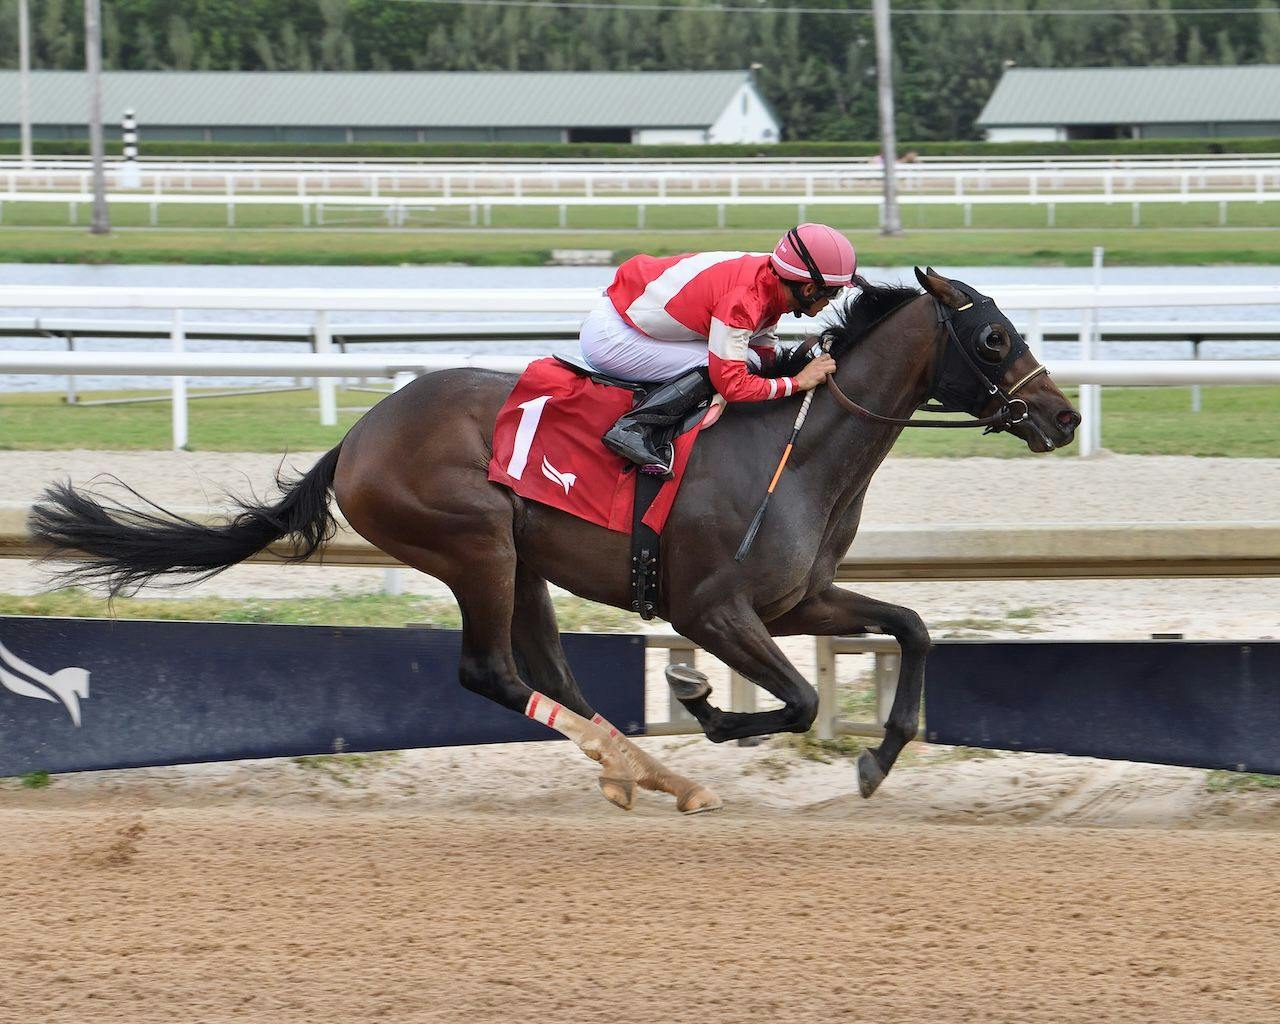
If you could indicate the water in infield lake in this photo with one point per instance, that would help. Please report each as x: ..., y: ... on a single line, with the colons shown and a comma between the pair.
x: 983, y: 278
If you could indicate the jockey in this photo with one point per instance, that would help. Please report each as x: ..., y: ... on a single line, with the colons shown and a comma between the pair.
x: 697, y: 321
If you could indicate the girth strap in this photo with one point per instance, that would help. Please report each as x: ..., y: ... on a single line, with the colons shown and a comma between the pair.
x: 644, y: 548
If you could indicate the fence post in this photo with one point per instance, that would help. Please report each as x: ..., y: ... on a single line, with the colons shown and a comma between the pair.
x: 1035, y: 334
x: 1091, y: 394
x: 1195, y: 388
x: 71, y: 398
x: 824, y: 657
x: 178, y: 387
x: 326, y: 387
x: 742, y: 693
x: 1085, y: 434
x: 639, y: 216
x: 888, y: 665
x: 1051, y: 217
x: 720, y: 215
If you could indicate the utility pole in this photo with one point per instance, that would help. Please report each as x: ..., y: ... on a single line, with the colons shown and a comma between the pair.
x: 24, y: 81
x: 892, y: 222
x: 101, y: 223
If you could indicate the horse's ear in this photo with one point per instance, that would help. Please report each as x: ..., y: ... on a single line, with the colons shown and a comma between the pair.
x: 940, y: 288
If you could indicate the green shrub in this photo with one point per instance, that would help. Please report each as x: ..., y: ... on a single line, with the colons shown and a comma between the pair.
x: 593, y: 150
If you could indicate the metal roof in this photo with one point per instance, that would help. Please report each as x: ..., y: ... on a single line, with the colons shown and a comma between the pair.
x: 1057, y: 96
x: 578, y: 99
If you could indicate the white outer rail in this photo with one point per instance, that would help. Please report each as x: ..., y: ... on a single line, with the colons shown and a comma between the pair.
x: 1136, y: 372
x: 734, y: 176
x: 322, y: 302
x: 480, y: 207
x: 567, y: 300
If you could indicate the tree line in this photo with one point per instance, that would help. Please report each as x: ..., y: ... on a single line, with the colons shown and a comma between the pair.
x: 816, y: 69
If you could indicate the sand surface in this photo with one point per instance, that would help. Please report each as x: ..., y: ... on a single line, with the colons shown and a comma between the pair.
x: 495, y: 884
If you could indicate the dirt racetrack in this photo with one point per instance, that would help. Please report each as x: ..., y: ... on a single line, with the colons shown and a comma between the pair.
x: 277, y: 893
x: 495, y: 885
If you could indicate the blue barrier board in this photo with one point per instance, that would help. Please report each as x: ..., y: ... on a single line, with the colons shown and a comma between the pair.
x: 87, y: 694
x: 1203, y: 704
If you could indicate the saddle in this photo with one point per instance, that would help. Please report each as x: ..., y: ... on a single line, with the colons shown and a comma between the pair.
x: 645, y: 546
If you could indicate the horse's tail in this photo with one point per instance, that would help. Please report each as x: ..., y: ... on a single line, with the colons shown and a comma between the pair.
x: 126, y: 546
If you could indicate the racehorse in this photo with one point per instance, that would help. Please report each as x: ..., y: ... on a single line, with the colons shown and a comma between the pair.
x: 411, y: 477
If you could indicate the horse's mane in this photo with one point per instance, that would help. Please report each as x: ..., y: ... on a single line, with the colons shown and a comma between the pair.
x: 855, y: 318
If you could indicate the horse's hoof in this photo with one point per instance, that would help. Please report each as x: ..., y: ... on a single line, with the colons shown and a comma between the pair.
x: 687, y: 683
x: 699, y: 800
x: 870, y: 774
x: 619, y: 792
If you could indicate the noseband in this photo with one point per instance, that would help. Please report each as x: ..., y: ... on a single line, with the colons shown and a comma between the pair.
x: 1012, y: 410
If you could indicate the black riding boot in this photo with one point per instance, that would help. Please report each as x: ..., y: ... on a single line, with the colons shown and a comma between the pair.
x: 644, y: 434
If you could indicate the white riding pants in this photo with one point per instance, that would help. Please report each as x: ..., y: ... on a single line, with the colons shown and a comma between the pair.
x: 613, y: 346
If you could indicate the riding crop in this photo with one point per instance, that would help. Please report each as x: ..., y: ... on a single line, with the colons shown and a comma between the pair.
x: 758, y: 518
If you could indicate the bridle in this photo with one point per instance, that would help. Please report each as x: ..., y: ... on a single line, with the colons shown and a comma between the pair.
x: 1012, y: 410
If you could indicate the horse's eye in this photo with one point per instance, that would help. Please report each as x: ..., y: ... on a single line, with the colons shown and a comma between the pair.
x: 993, y: 345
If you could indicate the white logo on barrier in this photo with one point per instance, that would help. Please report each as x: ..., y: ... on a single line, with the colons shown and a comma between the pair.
x: 68, y: 685
x: 565, y: 480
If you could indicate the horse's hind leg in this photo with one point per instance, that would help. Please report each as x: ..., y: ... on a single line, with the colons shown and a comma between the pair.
x: 484, y: 589
x: 536, y: 637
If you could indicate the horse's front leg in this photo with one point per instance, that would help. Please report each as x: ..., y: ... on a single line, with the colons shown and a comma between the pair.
x: 836, y: 612
x: 734, y: 633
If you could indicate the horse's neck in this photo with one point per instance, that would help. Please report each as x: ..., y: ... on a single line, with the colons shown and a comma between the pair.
x: 887, y: 372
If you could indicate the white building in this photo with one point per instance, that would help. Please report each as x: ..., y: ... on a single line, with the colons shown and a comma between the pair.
x: 691, y: 107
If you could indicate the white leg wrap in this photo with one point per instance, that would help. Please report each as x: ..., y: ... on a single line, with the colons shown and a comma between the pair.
x: 555, y: 715
x: 601, y: 721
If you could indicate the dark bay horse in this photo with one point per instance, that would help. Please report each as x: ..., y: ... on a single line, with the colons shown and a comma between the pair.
x: 411, y: 477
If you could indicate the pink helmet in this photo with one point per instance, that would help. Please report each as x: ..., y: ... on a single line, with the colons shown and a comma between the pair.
x: 814, y: 253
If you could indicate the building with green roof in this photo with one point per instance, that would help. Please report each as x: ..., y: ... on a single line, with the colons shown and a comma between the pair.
x: 1054, y: 104
x: 331, y: 106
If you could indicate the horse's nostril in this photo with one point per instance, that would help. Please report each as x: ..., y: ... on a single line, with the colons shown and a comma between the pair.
x: 1068, y: 419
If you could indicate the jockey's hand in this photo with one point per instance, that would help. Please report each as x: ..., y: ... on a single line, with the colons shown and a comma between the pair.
x: 815, y: 372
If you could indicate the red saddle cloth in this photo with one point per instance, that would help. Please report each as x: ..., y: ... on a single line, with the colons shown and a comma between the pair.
x: 547, y: 448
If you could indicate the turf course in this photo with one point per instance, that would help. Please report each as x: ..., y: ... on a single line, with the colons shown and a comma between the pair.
x: 1233, y: 421
x: 987, y: 243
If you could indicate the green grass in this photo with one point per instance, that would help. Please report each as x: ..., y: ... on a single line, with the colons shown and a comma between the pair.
x: 998, y: 216
x: 574, y: 614
x: 345, y: 768
x: 1233, y: 421
x: 286, y: 421
x: 527, y: 242
x: 1239, y: 782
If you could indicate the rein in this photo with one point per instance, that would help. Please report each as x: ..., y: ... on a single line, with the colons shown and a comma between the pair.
x: 1002, y: 418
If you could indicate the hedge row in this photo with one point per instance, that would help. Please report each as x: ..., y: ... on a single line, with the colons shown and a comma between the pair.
x: 581, y: 151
